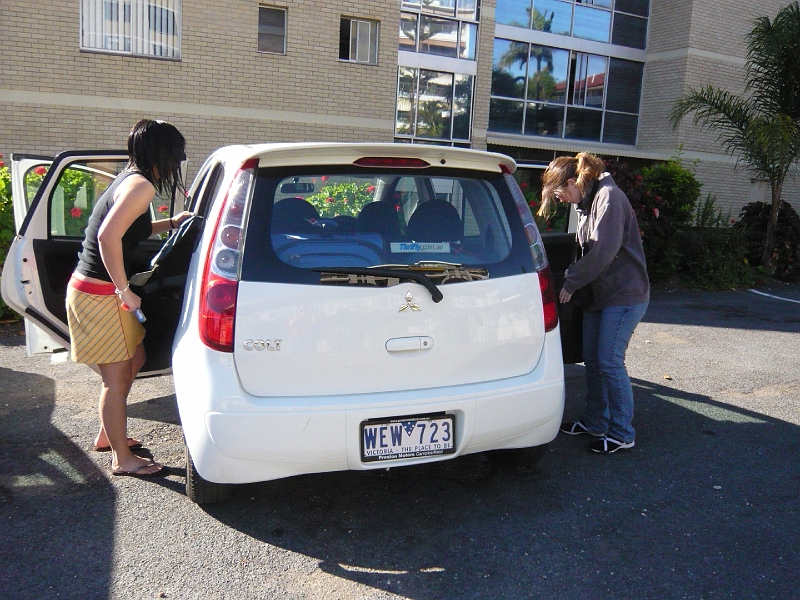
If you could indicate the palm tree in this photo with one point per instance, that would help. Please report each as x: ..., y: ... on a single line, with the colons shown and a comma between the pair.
x: 762, y: 128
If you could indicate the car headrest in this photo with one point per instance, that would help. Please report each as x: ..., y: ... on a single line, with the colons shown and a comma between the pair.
x: 293, y: 215
x: 435, y: 221
x: 379, y: 217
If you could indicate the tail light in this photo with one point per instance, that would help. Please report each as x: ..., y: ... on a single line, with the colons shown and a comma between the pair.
x: 549, y: 300
x: 220, y: 282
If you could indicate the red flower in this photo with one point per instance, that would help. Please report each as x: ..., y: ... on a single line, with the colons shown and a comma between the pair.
x: 324, y: 178
x: 655, y: 212
x: 523, y: 185
x: 733, y: 220
x: 163, y: 208
x: 40, y: 170
x: 76, y: 212
x: 2, y: 164
x: 370, y: 189
x: 329, y: 199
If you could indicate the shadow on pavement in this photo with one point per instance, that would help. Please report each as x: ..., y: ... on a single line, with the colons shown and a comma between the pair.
x: 54, y: 502
x: 705, y: 506
x: 734, y: 309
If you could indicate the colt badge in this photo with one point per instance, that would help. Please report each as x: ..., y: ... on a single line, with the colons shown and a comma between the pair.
x: 409, y: 304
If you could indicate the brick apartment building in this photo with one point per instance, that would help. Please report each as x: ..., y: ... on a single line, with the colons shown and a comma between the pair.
x: 529, y: 78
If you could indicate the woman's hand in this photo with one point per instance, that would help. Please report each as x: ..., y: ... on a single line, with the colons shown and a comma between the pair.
x: 130, y: 301
x: 180, y: 218
x: 564, y: 296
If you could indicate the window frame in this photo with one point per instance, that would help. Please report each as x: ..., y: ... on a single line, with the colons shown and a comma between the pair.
x: 137, y: 20
x: 374, y: 42
x: 285, y: 12
x: 459, y: 21
x: 414, y: 99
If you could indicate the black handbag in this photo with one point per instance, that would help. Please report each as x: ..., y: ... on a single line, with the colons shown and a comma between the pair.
x: 583, y: 297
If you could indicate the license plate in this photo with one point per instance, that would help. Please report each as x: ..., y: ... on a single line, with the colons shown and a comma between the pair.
x: 407, y: 437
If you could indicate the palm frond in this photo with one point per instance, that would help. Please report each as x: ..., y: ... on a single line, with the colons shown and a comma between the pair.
x: 717, y: 110
x: 773, y: 62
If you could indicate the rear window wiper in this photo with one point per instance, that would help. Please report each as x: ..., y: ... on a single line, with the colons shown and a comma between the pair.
x: 399, y: 272
x: 444, y: 272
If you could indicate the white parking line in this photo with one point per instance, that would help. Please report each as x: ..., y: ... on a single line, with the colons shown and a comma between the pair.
x: 776, y: 297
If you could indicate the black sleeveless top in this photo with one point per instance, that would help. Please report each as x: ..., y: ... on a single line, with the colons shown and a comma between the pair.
x: 90, y: 263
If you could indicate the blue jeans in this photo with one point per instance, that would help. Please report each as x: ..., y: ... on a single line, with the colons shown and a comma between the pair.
x: 609, y: 397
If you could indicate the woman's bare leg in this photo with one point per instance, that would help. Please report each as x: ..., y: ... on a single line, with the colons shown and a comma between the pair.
x: 117, y: 381
x: 101, y: 440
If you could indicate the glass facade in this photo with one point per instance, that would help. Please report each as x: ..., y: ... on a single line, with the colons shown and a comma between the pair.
x: 440, y: 27
x: 433, y: 105
x: 547, y: 91
x: 435, y: 96
x: 622, y: 22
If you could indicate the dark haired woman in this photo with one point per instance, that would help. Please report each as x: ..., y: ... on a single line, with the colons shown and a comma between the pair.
x: 613, y: 265
x: 100, y: 304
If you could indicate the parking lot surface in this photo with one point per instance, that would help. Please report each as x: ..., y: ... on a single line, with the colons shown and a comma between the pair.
x: 705, y: 506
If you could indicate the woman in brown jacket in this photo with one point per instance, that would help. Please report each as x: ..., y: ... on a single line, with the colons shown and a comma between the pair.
x: 614, y: 269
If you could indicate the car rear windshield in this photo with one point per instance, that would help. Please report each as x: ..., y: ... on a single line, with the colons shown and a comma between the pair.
x: 304, y: 221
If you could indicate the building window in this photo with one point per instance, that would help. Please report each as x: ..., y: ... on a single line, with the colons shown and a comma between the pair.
x: 140, y: 27
x: 358, y: 41
x: 623, y: 24
x: 433, y: 106
x: 271, y: 30
x: 553, y: 92
x: 440, y: 27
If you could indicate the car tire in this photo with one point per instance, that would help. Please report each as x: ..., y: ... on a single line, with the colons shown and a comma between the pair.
x: 517, y: 457
x: 200, y: 491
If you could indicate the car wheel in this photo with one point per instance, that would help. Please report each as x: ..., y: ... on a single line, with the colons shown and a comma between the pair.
x: 517, y: 457
x: 198, y: 489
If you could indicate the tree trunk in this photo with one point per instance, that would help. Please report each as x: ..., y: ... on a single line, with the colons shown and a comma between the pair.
x: 767, y: 258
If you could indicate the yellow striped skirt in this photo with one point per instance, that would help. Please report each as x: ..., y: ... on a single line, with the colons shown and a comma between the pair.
x: 101, y: 331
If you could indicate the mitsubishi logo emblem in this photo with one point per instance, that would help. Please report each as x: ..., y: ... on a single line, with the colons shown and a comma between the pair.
x: 409, y: 304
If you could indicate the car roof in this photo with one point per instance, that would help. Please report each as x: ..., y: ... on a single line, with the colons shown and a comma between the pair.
x: 338, y: 153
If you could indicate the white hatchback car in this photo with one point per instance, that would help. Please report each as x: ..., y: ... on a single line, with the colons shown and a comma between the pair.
x: 330, y: 307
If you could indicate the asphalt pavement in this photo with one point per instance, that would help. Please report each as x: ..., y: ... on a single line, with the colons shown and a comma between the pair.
x: 705, y: 506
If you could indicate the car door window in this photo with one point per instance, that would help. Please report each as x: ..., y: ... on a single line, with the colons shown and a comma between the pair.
x: 530, y: 182
x: 73, y: 198
x: 32, y: 180
x: 205, y: 191
x: 78, y: 188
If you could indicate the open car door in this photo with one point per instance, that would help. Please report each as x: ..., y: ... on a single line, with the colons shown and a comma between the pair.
x: 44, y: 253
x: 26, y: 176
x: 560, y: 243
x: 562, y: 251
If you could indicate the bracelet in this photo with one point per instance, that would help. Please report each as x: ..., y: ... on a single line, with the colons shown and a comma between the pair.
x: 171, y: 223
x: 120, y: 292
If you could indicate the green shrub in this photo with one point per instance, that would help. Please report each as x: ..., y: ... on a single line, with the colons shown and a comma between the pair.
x: 715, y: 258
x: 786, y: 249
x: 663, y: 196
x: 342, y: 199
x: 707, y: 214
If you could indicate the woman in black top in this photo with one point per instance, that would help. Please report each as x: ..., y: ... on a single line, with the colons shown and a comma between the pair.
x: 101, y: 307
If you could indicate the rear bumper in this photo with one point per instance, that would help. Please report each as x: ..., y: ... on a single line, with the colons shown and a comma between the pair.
x: 237, y: 438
